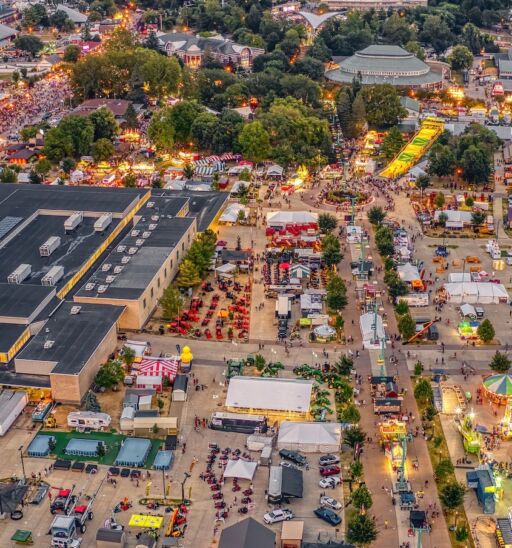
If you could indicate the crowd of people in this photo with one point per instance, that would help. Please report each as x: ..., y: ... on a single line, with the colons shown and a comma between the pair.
x: 26, y: 106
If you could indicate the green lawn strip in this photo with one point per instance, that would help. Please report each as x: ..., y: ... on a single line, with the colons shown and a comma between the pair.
x: 436, y: 454
x: 112, y: 441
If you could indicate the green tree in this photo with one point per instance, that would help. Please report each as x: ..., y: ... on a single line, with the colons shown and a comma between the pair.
x: 130, y: 180
x: 344, y: 365
x: 460, y: 58
x: 203, y: 127
x: 171, y: 302
x: 128, y: 355
x: 260, y: 362
x: 102, y: 149
x: 452, y: 495
x: 110, y: 374
x: 188, y: 275
x: 500, y: 362
x: 416, y: 49
x: 61, y: 21
x: 422, y: 182
x: 254, y: 141
x: 8, y: 175
x: 477, y: 218
x: 57, y: 145
x: 423, y: 391
x: 35, y: 16
x: 440, y: 200
x: 354, y: 436
x: 104, y: 124
x: 441, y: 160
x: 71, y: 53
x: 397, y: 30
x: 444, y: 468
x: 356, y: 469
x: 43, y: 167
x: 161, y: 130
x: 361, y: 498
x: 34, y: 178
x: 152, y: 42
x: 418, y: 368
x: 436, y: 32
x: 336, y: 297
x: 376, y: 215
x: 91, y: 402
x: 327, y: 223
x: 383, y: 107
x: 350, y: 414
x: 392, y: 143
x: 331, y: 250
x: 469, y: 201
x: 130, y: 118
x: 67, y: 165
x: 486, y: 331
x: 29, y: 43
x: 100, y: 449
x: 162, y: 76
x: 402, y: 307
x: 361, y: 530
x: 406, y: 326
x: 384, y: 241
x: 476, y: 165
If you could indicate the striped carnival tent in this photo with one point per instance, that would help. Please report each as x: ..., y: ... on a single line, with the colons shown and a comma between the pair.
x: 204, y: 171
x: 498, y: 388
x: 154, y: 366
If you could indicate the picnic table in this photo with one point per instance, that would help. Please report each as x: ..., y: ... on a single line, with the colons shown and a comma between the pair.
x: 22, y: 537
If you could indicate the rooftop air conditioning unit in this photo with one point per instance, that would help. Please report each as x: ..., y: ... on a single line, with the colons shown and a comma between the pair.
x: 90, y: 286
x: 146, y: 234
x: 121, y: 248
x: 139, y: 242
x: 118, y: 269
x: 110, y: 279
x: 75, y: 310
x: 48, y: 344
x: 51, y: 244
x: 152, y: 226
x: 151, y: 204
x: 102, y: 288
x: 20, y: 274
x: 53, y: 275
x: 103, y: 222
x: 125, y: 259
x: 106, y: 267
x: 155, y: 217
x: 135, y: 233
x: 133, y: 250
x: 73, y: 221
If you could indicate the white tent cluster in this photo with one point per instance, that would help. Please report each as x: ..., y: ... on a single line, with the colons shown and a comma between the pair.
x: 309, y: 437
x: 368, y: 330
x: 476, y: 292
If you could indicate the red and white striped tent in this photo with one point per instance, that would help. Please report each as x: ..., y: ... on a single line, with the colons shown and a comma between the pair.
x: 165, y: 367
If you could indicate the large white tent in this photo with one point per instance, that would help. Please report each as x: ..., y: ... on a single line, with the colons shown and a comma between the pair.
x: 476, y: 292
x: 280, y: 219
x: 269, y: 394
x: 230, y: 214
x: 455, y: 277
x: 368, y: 331
x: 241, y: 469
x: 309, y: 437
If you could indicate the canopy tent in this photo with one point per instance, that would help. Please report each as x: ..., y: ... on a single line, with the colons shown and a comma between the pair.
x: 139, y: 348
x: 457, y: 277
x: 468, y: 310
x: 226, y: 270
x: 241, y: 469
x: 454, y: 216
x: 300, y: 271
x: 310, y: 437
x: 498, y: 387
x: 239, y: 186
x: 163, y: 367
x: 274, y: 171
x: 408, y: 272
x: 476, y: 292
x: 231, y: 213
x: 282, y: 218
x: 372, y: 334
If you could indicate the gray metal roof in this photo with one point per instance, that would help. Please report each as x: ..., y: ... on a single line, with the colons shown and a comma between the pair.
x: 247, y: 533
x: 6, y: 32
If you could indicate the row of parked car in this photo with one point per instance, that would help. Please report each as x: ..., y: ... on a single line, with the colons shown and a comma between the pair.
x: 331, y: 477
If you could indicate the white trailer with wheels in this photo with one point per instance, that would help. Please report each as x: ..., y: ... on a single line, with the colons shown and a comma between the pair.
x: 63, y: 531
x: 12, y: 404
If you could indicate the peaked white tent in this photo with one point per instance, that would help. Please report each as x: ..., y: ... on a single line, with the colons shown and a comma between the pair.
x: 241, y: 469
x: 309, y: 437
x: 408, y: 272
x: 366, y: 323
x: 230, y: 214
x: 476, y: 292
x: 226, y: 270
x: 282, y: 218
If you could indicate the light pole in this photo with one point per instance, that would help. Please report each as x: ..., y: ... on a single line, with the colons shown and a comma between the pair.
x: 20, y: 449
x: 187, y: 475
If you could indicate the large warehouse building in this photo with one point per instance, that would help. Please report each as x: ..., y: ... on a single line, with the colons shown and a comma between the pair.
x: 76, y: 263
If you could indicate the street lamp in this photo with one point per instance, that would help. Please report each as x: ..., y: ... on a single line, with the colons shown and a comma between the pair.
x: 187, y: 475
x: 20, y: 449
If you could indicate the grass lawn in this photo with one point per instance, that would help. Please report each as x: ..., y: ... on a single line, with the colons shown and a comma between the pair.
x: 112, y: 442
x: 438, y: 450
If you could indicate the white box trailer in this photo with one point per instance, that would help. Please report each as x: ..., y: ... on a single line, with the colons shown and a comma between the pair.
x: 415, y: 299
x: 20, y: 274
x: 89, y: 419
x: 103, y: 222
x: 283, y: 307
x: 51, y: 244
x: 12, y: 404
x: 53, y: 276
x: 73, y: 221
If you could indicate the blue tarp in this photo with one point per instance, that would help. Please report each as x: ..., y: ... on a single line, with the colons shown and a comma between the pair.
x: 39, y: 446
x: 163, y: 460
x: 133, y: 452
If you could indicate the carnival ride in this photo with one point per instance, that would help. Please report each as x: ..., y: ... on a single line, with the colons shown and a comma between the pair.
x: 415, y: 149
x: 471, y: 439
x: 506, y: 422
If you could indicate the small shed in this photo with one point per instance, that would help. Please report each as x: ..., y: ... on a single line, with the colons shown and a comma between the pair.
x: 110, y: 538
x: 179, y: 389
